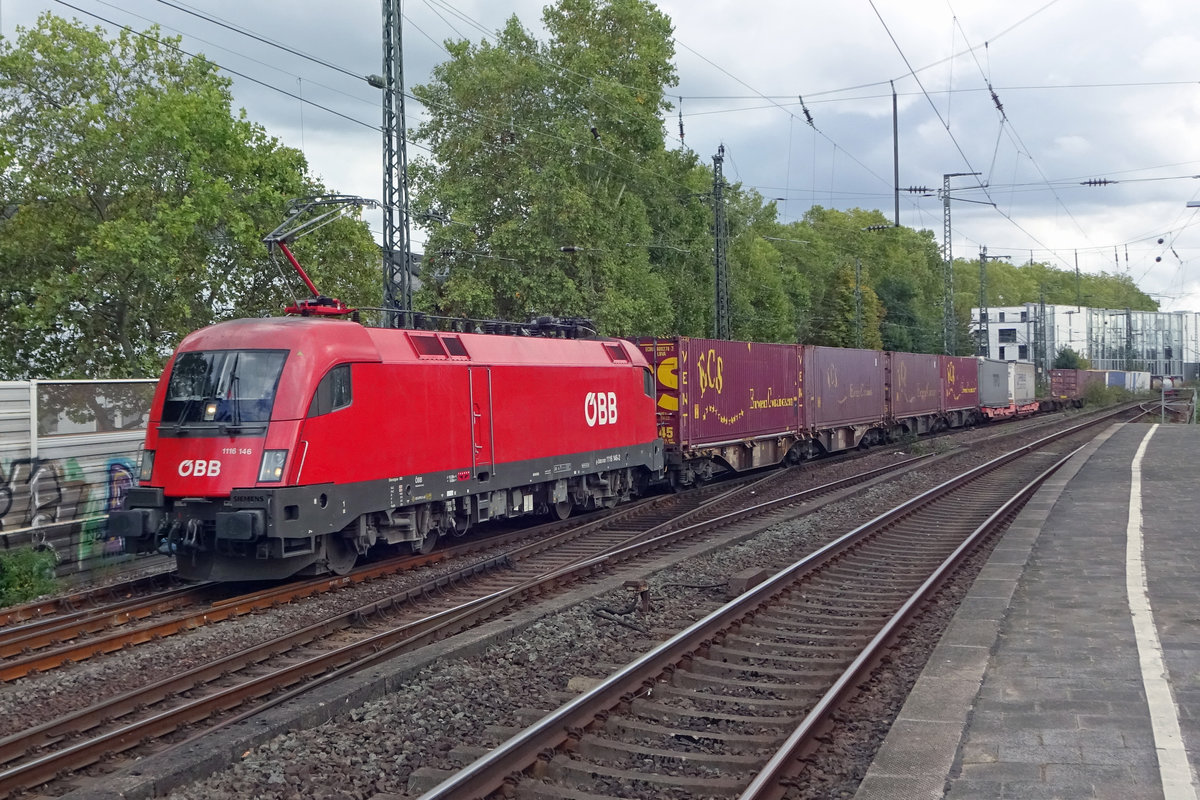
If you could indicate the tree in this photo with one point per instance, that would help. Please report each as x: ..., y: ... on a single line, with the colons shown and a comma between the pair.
x: 548, y: 163
x: 134, y: 203
x: 1013, y: 285
x: 1069, y: 359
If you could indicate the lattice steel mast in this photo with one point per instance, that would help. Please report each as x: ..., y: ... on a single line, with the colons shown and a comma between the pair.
x: 721, y: 264
x: 397, y: 256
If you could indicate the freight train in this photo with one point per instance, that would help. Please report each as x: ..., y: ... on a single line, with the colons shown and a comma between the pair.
x: 294, y: 445
x: 278, y: 447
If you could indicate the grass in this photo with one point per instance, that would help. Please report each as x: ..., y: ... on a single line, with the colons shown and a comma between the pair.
x: 26, y: 573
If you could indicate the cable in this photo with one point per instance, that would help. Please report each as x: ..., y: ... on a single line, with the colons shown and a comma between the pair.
x: 949, y: 133
x: 257, y: 38
x: 1007, y: 126
x: 807, y: 121
x: 219, y: 66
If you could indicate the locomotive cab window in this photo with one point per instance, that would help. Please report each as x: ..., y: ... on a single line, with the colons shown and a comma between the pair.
x: 228, y: 387
x: 333, y: 392
x: 647, y: 382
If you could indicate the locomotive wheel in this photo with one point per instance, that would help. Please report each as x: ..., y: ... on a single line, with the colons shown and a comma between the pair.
x: 563, y: 510
x: 340, y: 554
x: 426, y: 545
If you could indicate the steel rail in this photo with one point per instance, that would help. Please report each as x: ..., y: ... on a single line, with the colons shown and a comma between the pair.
x: 326, y: 666
x: 766, y: 784
x: 31, y: 642
x: 502, y: 766
x: 70, y: 603
x: 48, y: 631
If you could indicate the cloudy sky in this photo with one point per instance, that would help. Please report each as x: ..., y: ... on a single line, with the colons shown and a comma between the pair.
x: 1090, y: 90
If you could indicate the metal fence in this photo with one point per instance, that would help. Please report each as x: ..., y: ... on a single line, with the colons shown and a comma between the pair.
x: 68, y: 454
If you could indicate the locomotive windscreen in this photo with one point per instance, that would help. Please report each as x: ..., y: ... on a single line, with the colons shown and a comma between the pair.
x: 226, y: 386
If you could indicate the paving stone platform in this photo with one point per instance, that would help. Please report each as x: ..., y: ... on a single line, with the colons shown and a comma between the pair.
x: 1038, y: 690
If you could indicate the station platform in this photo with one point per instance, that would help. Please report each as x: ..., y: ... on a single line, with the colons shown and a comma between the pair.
x: 1072, y: 670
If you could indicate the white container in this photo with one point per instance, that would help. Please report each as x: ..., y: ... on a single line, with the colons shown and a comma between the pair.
x: 1137, y: 381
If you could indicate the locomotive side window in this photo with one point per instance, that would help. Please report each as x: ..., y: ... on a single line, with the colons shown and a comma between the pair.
x: 223, y: 386
x: 333, y: 392
x: 647, y: 382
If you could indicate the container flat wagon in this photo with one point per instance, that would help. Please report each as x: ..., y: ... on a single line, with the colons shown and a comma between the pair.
x: 845, y: 395
x: 1006, y: 388
x: 915, y: 397
x: 727, y: 405
x: 960, y: 389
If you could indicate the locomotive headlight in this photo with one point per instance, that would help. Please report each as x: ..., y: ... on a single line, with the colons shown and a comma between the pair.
x: 147, y: 467
x: 210, y: 410
x: 272, y: 466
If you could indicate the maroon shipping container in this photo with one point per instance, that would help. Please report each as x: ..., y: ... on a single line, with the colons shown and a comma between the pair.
x: 916, y: 384
x: 1089, y: 376
x: 843, y: 386
x: 712, y: 391
x: 960, y: 382
x: 1069, y: 384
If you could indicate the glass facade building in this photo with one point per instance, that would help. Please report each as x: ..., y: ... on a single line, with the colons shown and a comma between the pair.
x: 1158, y: 342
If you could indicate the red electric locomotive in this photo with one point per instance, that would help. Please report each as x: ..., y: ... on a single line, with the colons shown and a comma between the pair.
x: 292, y: 445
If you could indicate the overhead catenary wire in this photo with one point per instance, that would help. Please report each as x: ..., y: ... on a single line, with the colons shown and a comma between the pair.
x: 1006, y: 126
x: 950, y: 133
x: 242, y: 75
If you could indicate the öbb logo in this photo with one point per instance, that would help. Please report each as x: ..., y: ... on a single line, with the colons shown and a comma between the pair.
x: 600, y: 408
x: 199, y: 468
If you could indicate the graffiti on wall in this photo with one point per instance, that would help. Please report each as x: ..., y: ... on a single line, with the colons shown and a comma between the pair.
x: 60, y: 504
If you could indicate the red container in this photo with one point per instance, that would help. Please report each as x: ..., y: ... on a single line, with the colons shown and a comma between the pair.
x: 712, y: 391
x: 915, y: 381
x: 1068, y: 384
x: 1089, y: 376
x: 960, y: 382
x: 843, y: 386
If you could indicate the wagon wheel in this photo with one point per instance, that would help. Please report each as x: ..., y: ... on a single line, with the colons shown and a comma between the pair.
x: 563, y: 510
x: 340, y: 554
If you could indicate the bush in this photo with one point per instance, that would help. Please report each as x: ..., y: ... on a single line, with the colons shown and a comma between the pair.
x: 1097, y: 394
x: 26, y: 573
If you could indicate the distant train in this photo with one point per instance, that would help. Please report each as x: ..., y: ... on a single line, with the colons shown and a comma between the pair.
x: 295, y: 445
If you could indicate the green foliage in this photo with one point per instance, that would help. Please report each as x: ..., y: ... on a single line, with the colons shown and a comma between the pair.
x: 1097, y: 394
x: 550, y: 181
x: 1012, y: 285
x: 1069, y: 359
x: 25, y: 574
x: 135, y: 202
x: 555, y: 195
x: 899, y: 281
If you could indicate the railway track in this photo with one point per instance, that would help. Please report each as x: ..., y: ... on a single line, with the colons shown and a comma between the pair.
x: 103, y: 607
x: 351, y: 641
x: 59, y: 632
x: 730, y: 706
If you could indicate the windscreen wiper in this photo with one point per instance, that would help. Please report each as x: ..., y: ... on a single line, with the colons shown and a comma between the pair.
x: 235, y: 409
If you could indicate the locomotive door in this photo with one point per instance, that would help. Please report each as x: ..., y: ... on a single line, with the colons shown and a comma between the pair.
x: 482, y: 447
